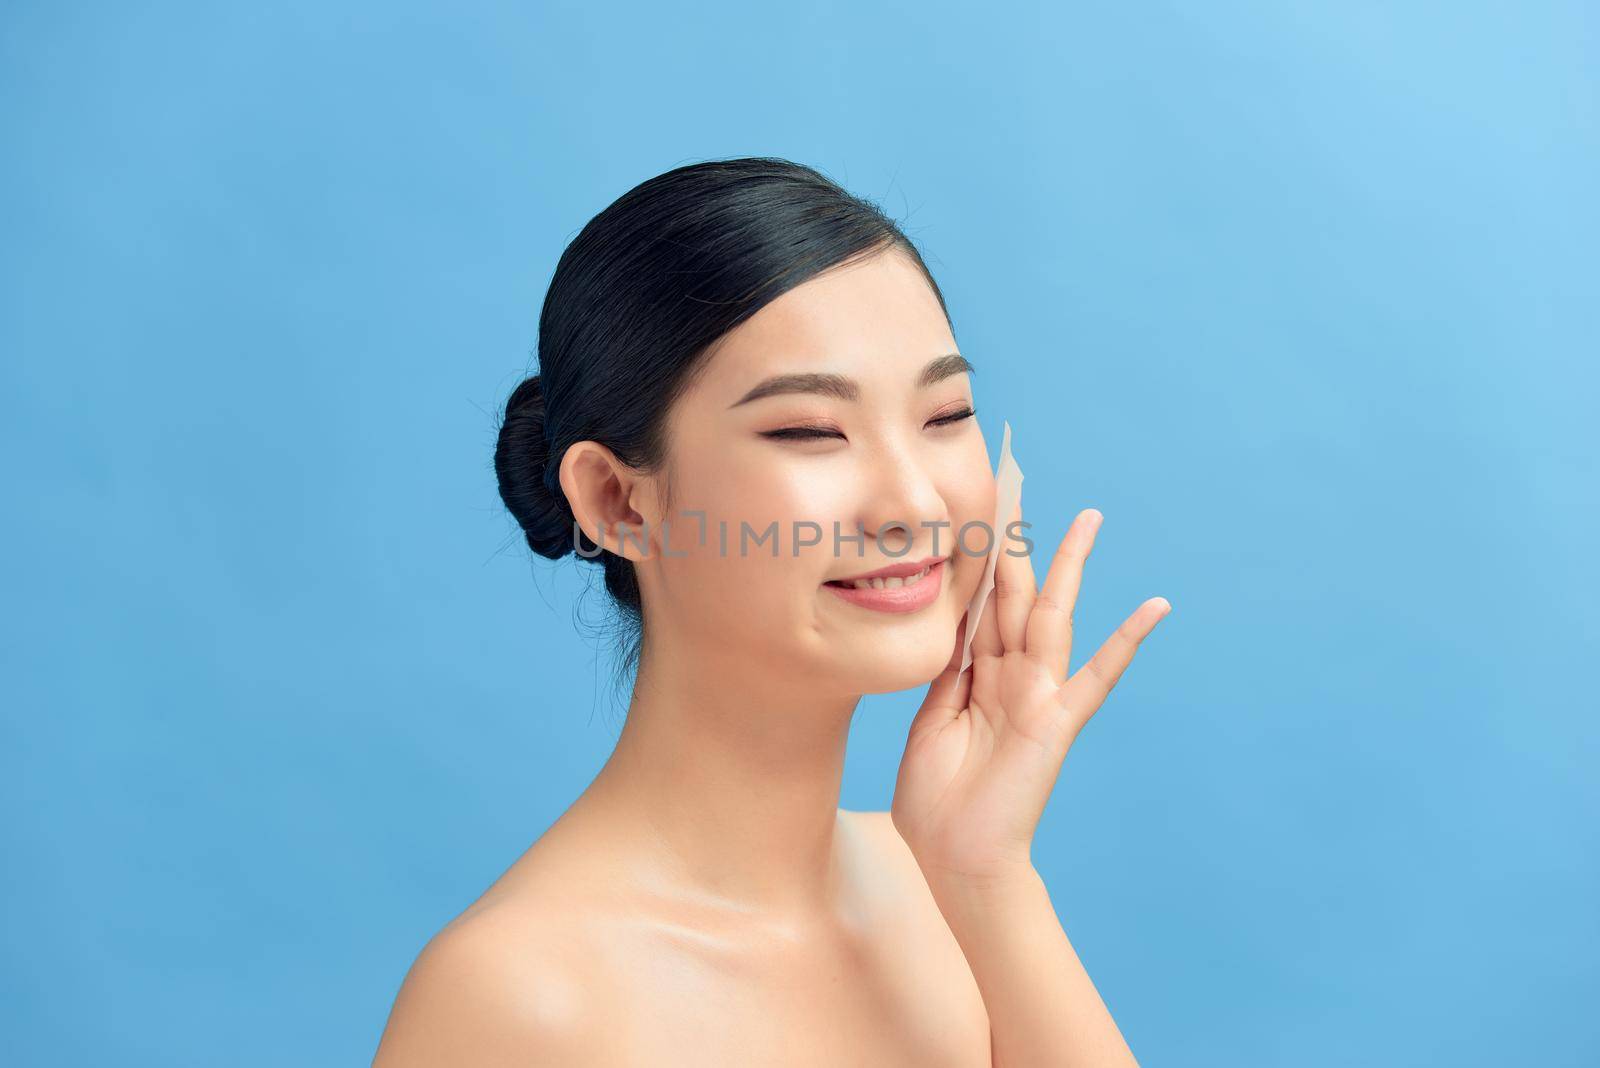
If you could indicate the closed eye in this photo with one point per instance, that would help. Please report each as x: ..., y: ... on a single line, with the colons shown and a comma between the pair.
x: 953, y: 417
x: 802, y: 433
x: 811, y: 433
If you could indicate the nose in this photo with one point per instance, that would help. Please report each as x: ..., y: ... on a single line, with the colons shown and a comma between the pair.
x: 904, y: 502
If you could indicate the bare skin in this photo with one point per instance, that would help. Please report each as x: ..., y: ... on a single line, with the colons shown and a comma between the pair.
x: 576, y: 956
x: 705, y: 901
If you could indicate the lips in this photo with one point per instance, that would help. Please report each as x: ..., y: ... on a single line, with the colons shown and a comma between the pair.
x: 902, y: 570
x: 883, y: 591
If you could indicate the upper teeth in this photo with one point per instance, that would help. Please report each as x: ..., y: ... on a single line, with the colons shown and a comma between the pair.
x: 890, y: 583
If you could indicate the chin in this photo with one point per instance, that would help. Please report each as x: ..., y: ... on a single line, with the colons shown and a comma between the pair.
x: 900, y: 658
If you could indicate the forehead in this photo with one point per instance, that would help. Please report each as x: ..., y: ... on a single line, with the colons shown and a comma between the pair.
x: 876, y: 320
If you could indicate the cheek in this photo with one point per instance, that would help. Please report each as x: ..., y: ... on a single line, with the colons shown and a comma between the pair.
x: 971, y: 500
x: 734, y: 573
x: 972, y: 496
x: 784, y: 505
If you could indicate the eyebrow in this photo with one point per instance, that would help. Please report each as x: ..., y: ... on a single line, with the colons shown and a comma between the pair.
x: 845, y: 388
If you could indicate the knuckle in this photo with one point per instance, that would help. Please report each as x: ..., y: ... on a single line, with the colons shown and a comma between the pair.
x: 1106, y: 673
x: 1048, y: 603
x: 1004, y: 587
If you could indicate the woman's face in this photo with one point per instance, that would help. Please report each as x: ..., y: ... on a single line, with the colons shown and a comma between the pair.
x: 878, y: 450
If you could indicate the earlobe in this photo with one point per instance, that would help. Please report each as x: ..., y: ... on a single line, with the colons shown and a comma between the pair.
x: 599, y: 488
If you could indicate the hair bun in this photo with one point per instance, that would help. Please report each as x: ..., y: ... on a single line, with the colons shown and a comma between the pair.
x: 521, y: 462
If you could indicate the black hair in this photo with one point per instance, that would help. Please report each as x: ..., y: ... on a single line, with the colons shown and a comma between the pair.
x: 637, y: 299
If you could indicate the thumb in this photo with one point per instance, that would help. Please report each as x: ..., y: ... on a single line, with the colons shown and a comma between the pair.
x: 948, y: 693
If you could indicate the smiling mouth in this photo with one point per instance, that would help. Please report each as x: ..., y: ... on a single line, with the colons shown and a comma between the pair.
x: 909, y: 594
x: 894, y: 583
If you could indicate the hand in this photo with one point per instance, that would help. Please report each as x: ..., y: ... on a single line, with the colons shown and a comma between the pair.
x: 986, y: 746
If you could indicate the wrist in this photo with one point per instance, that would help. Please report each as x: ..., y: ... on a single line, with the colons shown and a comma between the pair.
x: 986, y: 891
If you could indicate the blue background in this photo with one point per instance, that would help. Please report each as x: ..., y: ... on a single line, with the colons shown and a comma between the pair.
x: 1302, y: 296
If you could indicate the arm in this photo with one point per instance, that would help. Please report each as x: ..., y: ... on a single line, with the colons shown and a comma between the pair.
x: 1043, y: 1008
x: 981, y: 760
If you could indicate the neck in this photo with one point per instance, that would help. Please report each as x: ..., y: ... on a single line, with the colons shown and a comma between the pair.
x: 731, y: 780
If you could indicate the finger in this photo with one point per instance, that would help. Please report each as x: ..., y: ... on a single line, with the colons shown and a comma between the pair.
x: 1086, y: 691
x: 1050, y: 625
x: 948, y: 693
x: 949, y: 688
x: 1014, y: 587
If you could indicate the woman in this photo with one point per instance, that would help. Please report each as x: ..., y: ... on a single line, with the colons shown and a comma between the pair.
x: 733, y: 349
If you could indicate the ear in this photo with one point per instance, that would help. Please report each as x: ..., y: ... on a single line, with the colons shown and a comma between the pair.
x: 612, y: 502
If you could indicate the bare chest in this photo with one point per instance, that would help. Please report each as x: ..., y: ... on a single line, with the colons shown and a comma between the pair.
x: 867, y: 1004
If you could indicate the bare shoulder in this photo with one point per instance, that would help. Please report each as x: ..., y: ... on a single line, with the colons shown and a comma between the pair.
x: 889, y: 848
x: 898, y: 879
x: 925, y: 957
x: 881, y: 823
x: 496, y: 986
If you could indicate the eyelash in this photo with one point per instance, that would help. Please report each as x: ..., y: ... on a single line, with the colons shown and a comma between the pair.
x: 811, y: 433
